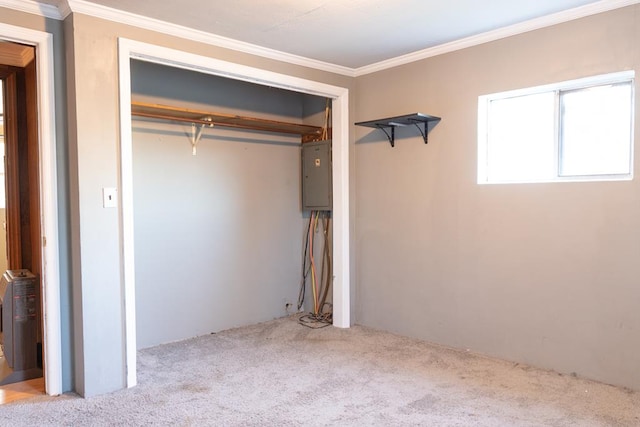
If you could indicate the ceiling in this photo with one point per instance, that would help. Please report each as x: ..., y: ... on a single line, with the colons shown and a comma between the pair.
x: 346, y: 33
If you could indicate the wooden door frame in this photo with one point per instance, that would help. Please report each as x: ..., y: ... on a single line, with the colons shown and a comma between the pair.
x: 48, y: 182
x: 21, y: 165
x: 14, y: 242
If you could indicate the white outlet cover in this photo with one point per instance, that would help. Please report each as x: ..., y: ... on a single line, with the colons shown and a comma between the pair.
x: 109, y: 197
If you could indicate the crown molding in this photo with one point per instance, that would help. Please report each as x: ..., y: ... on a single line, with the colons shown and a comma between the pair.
x: 33, y: 7
x: 66, y: 7
x: 122, y: 17
x: 500, y: 33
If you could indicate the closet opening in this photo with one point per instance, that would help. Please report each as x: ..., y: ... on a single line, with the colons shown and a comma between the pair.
x: 131, y: 51
x: 219, y: 226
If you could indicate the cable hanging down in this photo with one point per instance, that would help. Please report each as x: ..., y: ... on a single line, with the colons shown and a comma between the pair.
x: 322, y: 314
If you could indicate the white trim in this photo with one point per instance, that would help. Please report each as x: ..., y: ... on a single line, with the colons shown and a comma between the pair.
x: 43, y: 43
x: 110, y: 14
x: 500, y: 33
x: 340, y: 175
x: 33, y: 7
x: 66, y: 7
x: 600, y: 79
x: 126, y: 211
x: 128, y: 49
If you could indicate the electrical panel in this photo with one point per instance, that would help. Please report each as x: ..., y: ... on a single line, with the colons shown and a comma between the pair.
x: 316, y: 176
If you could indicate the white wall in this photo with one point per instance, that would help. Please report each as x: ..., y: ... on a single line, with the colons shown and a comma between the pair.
x: 218, y: 235
x: 545, y: 274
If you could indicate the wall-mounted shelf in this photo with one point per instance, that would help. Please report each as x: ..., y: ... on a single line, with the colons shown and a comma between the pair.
x: 211, y: 119
x: 392, y: 123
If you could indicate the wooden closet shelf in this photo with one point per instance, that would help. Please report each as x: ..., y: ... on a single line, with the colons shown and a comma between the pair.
x: 177, y: 114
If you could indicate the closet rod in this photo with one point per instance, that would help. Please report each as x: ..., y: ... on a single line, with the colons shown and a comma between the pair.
x: 164, y: 112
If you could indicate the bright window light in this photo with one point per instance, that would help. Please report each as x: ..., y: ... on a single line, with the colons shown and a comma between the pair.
x: 578, y: 130
x: 519, y: 148
x: 596, y: 131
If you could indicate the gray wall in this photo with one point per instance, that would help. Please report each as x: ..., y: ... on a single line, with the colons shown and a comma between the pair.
x: 87, y: 126
x: 94, y: 163
x: 545, y: 274
x: 218, y: 235
x: 542, y: 273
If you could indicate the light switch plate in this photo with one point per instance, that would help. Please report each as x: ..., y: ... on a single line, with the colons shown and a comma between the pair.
x: 109, y: 197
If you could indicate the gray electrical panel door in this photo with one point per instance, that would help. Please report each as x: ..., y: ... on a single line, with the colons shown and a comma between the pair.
x: 316, y: 176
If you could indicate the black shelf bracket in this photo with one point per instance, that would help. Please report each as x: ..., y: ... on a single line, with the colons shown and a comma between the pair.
x: 392, y: 123
x: 425, y: 132
x: 392, y: 137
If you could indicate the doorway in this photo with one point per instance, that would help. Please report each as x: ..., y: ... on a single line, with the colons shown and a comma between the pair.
x: 21, y: 233
x: 42, y: 42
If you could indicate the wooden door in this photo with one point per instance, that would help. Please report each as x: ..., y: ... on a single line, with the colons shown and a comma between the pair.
x: 24, y: 238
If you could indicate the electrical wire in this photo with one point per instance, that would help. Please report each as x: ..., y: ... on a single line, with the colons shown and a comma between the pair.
x: 327, y: 273
x: 305, y: 269
x: 318, y: 321
x: 318, y: 283
x: 313, y: 226
x: 322, y: 314
x: 327, y: 111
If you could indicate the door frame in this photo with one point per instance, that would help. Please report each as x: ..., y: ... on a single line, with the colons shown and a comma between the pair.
x: 131, y: 49
x: 52, y: 333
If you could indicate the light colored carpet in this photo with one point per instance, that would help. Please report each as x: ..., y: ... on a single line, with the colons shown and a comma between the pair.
x: 282, y: 374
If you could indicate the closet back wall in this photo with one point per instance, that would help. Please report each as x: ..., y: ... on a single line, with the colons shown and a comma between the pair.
x: 218, y: 236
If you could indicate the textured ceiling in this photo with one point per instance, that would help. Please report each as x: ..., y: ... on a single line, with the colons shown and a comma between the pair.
x: 349, y: 33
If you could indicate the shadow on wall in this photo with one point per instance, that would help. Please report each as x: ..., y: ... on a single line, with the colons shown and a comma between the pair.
x: 401, y: 132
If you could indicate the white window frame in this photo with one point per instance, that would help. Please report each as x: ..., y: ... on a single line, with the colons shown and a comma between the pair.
x: 484, y: 103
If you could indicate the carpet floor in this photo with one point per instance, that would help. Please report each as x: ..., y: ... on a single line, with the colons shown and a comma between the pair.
x: 280, y: 373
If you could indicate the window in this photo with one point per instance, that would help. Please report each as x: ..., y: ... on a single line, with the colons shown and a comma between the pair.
x: 577, y: 130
